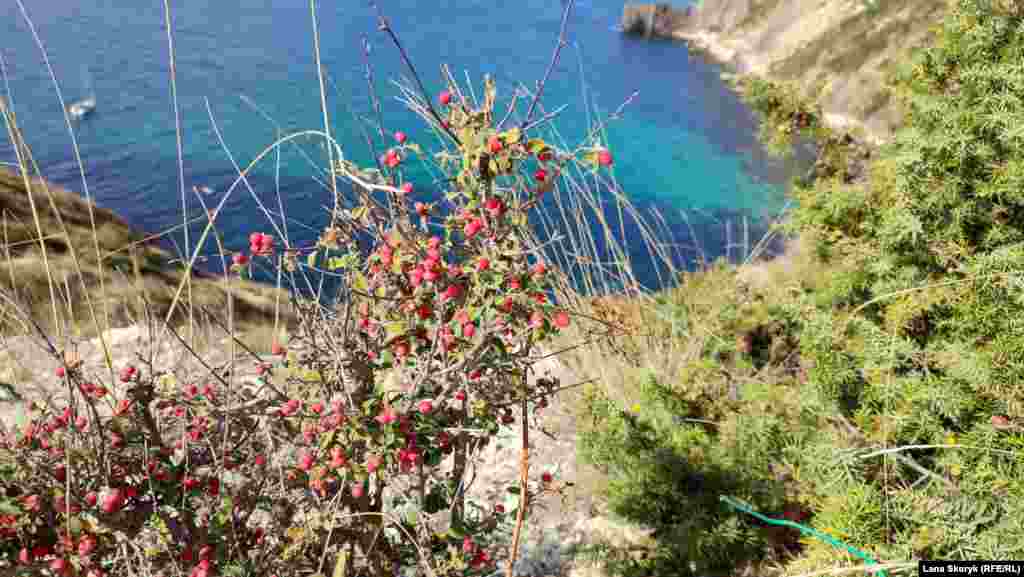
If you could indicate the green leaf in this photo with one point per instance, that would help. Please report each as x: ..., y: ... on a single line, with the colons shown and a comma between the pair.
x: 327, y: 440
x: 536, y: 145
x: 7, y: 507
x: 394, y: 329
x: 512, y: 135
x: 360, y: 283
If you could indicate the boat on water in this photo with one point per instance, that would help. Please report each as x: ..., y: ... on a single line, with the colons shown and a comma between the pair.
x: 82, y: 108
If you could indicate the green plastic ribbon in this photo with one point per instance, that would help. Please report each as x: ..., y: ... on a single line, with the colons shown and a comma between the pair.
x: 745, y: 508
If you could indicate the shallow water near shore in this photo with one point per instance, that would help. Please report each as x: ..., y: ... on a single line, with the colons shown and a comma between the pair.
x: 685, y: 143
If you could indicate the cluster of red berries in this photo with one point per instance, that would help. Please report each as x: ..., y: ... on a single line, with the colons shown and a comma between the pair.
x: 261, y: 244
x: 128, y: 373
x: 480, y: 558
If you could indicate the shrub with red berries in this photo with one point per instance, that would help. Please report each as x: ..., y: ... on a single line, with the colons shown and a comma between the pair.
x: 446, y: 301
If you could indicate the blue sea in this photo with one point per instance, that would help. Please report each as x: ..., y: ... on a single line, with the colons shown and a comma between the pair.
x: 685, y: 144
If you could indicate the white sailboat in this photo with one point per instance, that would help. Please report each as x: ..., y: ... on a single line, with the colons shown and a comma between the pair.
x: 82, y: 108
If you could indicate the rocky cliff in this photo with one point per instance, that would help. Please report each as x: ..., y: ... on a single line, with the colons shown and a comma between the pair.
x: 653, y: 19
x: 837, y: 50
x: 131, y: 275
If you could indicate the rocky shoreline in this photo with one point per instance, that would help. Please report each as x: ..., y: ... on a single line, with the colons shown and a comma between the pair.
x: 837, y: 51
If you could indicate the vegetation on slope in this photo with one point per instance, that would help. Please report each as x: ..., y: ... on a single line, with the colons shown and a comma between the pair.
x: 138, y: 274
x: 868, y: 385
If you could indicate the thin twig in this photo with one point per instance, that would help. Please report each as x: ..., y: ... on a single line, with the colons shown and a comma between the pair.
x: 384, y: 26
x: 554, y: 60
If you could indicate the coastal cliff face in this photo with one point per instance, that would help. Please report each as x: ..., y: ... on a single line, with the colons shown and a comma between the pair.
x: 652, y: 19
x: 837, y: 50
x: 146, y: 272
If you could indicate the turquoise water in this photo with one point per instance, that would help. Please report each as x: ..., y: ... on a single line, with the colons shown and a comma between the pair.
x: 685, y: 143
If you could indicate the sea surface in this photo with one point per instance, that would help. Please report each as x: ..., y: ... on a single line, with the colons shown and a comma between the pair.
x: 685, y: 145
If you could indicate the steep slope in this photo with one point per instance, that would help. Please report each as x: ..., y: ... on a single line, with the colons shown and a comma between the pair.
x: 145, y: 273
x: 839, y: 50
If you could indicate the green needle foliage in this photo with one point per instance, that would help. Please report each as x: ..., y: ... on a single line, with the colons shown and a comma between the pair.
x: 869, y: 384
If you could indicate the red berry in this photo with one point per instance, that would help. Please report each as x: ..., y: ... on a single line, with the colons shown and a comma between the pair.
x: 1000, y: 422
x: 546, y: 477
x: 561, y: 319
x: 260, y: 460
x: 494, y: 144
x: 453, y: 291
x: 59, y: 566
x: 499, y: 508
x: 127, y: 373
x: 604, y: 158
x: 60, y: 372
x: 113, y: 501
x: 544, y: 155
x: 392, y: 159
x: 86, y: 545
x: 473, y: 227
x: 445, y: 98
x: 401, y: 349
x: 90, y: 499
x: 483, y: 264
x: 357, y: 489
x: 400, y: 137
x: 541, y: 175
x: 426, y: 406
x: 460, y: 396
x: 407, y: 188
x: 468, y: 330
x: 495, y: 207
x: 240, y: 259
